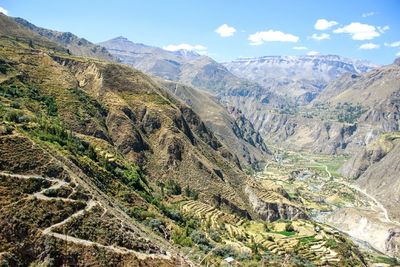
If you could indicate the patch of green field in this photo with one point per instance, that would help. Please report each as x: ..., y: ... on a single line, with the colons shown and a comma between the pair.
x: 386, y: 260
x: 306, y: 240
x: 285, y: 233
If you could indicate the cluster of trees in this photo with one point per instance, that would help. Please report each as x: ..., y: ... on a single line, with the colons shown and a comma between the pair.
x: 348, y: 113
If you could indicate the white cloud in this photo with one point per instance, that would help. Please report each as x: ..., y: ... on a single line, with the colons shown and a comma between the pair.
x: 300, y: 48
x: 319, y: 37
x: 225, y: 30
x: 368, y: 14
x: 394, y: 44
x: 259, y: 38
x: 398, y: 54
x: 383, y: 29
x: 3, y: 10
x: 313, y: 53
x: 197, y: 48
x: 359, y: 31
x: 369, y: 46
x: 323, y: 24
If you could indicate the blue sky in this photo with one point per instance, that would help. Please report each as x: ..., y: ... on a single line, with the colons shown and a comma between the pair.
x: 365, y: 29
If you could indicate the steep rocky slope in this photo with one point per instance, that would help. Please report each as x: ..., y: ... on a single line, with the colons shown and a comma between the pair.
x: 376, y: 169
x: 368, y: 226
x: 230, y: 125
x: 191, y: 69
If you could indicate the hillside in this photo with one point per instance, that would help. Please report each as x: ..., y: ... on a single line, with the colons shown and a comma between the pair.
x: 230, y: 126
x: 186, y: 67
x: 75, y: 45
x: 375, y: 168
x: 101, y: 164
x: 351, y: 112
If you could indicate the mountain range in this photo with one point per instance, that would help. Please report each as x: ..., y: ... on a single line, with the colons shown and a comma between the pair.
x: 124, y: 154
x: 300, y: 78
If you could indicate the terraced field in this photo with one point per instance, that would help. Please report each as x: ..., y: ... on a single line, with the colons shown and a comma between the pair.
x: 315, y: 243
x: 312, y: 180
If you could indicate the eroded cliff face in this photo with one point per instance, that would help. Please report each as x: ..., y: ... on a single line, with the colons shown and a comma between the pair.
x: 376, y: 169
x: 301, y: 133
x: 368, y: 226
x: 272, y: 205
x: 229, y: 125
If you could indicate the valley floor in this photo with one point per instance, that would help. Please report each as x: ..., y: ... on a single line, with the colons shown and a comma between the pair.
x: 331, y: 198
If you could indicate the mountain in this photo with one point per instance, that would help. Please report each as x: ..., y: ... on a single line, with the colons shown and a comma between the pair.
x: 186, y: 67
x: 348, y: 114
x: 103, y: 164
x: 371, y: 89
x: 229, y: 125
x: 300, y: 78
x: 75, y: 45
x: 12, y: 30
x: 375, y: 168
x: 375, y: 171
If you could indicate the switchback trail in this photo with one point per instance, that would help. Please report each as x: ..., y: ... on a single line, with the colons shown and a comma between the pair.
x: 89, y: 205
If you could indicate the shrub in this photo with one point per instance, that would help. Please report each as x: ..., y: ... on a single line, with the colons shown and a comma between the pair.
x: 15, y: 104
x: 173, y: 214
x: 51, y: 105
x: 224, y: 251
x: 131, y: 177
x: 63, y: 192
x: 173, y: 188
x: 199, y: 238
x: 140, y: 214
x: 180, y: 237
x: 214, y: 235
x: 155, y: 223
x: 11, y: 92
x: 191, y: 193
x: 16, y: 116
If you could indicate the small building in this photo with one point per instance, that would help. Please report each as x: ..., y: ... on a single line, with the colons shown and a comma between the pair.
x: 229, y: 261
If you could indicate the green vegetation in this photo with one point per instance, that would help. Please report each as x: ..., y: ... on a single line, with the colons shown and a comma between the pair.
x: 307, y: 239
x: 348, y: 113
x: 5, y: 67
x: 54, y: 131
x: 63, y: 192
x: 224, y: 251
x: 48, y: 101
x: 387, y: 260
x: 285, y: 233
x: 331, y: 243
x: 191, y: 193
x: 173, y: 188
x: 180, y: 237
